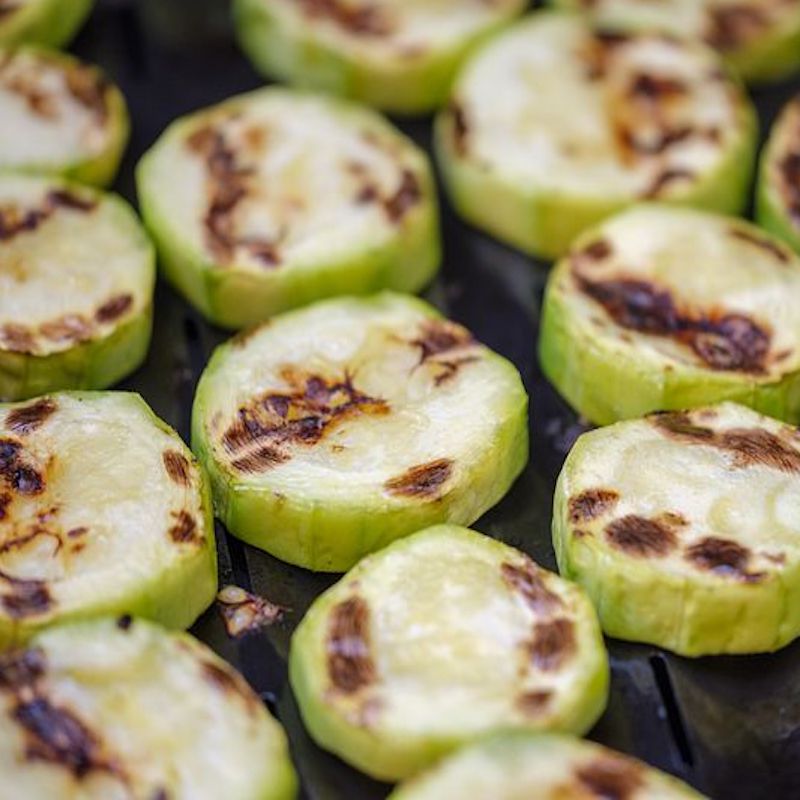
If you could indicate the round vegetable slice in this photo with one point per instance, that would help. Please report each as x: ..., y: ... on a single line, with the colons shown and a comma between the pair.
x: 95, y: 329
x: 123, y: 709
x: 102, y: 511
x: 441, y: 638
x: 49, y: 22
x: 516, y: 764
x: 779, y: 182
x: 760, y: 39
x: 399, y: 55
x: 60, y: 116
x: 683, y: 528
x: 667, y: 308
x: 553, y: 126
x: 276, y: 198
x: 333, y: 430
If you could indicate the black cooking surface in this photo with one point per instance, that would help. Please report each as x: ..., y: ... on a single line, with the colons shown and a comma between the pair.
x: 730, y: 726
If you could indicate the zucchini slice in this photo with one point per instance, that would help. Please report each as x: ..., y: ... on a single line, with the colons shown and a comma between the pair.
x: 275, y: 198
x: 684, y: 529
x: 333, y: 430
x: 760, y: 39
x: 399, y: 55
x: 102, y: 511
x: 123, y: 709
x: 438, y: 639
x: 667, y: 308
x: 60, y: 116
x: 517, y: 765
x: 47, y: 22
x: 554, y: 126
x: 778, y: 198
x: 95, y: 329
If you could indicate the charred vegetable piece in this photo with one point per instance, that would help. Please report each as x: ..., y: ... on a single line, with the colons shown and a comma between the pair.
x: 438, y: 639
x: 399, y: 55
x: 102, y: 511
x: 60, y: 116
x: 760, y: 39
x: 333, y: 430
x: 76, y: 287
x: 779, y: 182
x: 123, y: 709
x: 48, y: 22
x: 277, y: 198
x: 553, y: 126
x: 666, y: 308
x: 518, y: 765
x: 683, y: 528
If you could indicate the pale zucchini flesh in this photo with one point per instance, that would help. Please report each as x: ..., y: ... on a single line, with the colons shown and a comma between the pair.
x: 277, y: 198
x: 437, y: 640
x: 333, y: 430
x: 683, y: 529
x: 120, y: 709
x: 518, y: 765
x: 778, y: 198
x: 666, y: 308
x: 103, y: 510
x: 60, y: 117
x: 95, y: 328
x: 47, y: 22
x: 398, y: 55
x: 760, y: 39
x: 553, y: 126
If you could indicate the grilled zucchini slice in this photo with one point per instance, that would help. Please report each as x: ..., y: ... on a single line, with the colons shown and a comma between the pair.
x: 94, y: 328
x: 276, y: 198
x: 513, y: 765
x: 60, y: 116
x: 48, y: 22
x: 441, y: 638
x: 103, y: 511
x: 399, y: 55
x: 683, y: 528
x: 554, y: 126
x: 778, y: 199
x: 760, y: 39
x: 334, y: 430
x: 666, y: 308
x: 123, y: 709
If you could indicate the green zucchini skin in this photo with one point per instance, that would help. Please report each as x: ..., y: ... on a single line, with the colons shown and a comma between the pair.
x: 53, y: 23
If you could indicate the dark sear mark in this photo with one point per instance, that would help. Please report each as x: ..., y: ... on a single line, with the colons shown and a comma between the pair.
x: 527, y: 579
x: 16, y: 338
x: 177, y: 466
x: 24, y: 597
x: 553, y: 644
x: 20, y: 477
x: 723, y: 557
x: 773, y: 248
x: 244, y: 612
x: 14, y: 221
x: 5, y: 502
x: 407, y: 195
x: 730, y: 342
x: 184, y: 530
x: 302, y: 416
x: 90, y: 88
x: 439, y: 343
x: 730, y: 26
x: 460, y: 129
x: 591, y: 504
x: 647, y: 86
x: 596, y: 251
x: 368, y: 20
x: 114, y: 308
x: 68, y: 328
x: 27, y: 419
x: 350, y: 664
x: 21, y: 669
x: 664, y: 179
x: 611, y: 777
x: 229, y: 683
x: 641, y: 537
x: 679, y: 424
x: 534, y: 704
x: 125, y: 622
x: 423, y: 481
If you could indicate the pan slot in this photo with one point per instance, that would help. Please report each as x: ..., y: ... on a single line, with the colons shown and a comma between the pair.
x: 672, y: 708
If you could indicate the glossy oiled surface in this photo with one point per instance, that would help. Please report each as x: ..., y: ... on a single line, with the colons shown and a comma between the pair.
x: 727, y: 725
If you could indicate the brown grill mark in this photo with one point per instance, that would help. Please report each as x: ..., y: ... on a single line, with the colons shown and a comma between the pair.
x: 21, y: 669
x: 228, y: 682
x: 641, y: 537
x: 438, y: 337
x: 15, y: 221
x: 646, y: 86
x: 244, y: 612
x: 69, y: 328
x: 90, y: 88
x: 365, y: 20
x: 21, y: 477
x: 22, y: 598
x: 611, y: 777
x: 350, y: 664
x: 5, y: 502
x: 730, y: 26
x: 461, y: 129
x: 553, y: 644
x: 408, y: 195
x: 664, y: 179
x: 261, y: 460
x: 534, y: 704
x: 679, y: 424
x: 763, y: 243
x: 727, y: 342
x: 17, y: 338
x: 184, y: 530
x: 723, y: 557
x: 177, y: 466
x: 27, y: 419
x: 114, y: 308
x: 424, y: 480
x: 527, y: 579
x: 591, y: 504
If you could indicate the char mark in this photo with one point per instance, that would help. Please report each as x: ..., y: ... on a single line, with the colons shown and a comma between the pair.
x: 114, y: 308
x: 27, y: 419
x: 423, y: 481
x: 591, y: 504
x: 528, y: 580
x: 641, y: 537
x: 723, y: 557
x: 611, y: 777
x: 184, y: 529
x: 177, y: 466
x: 350, y: 664
x: 553, y: 644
